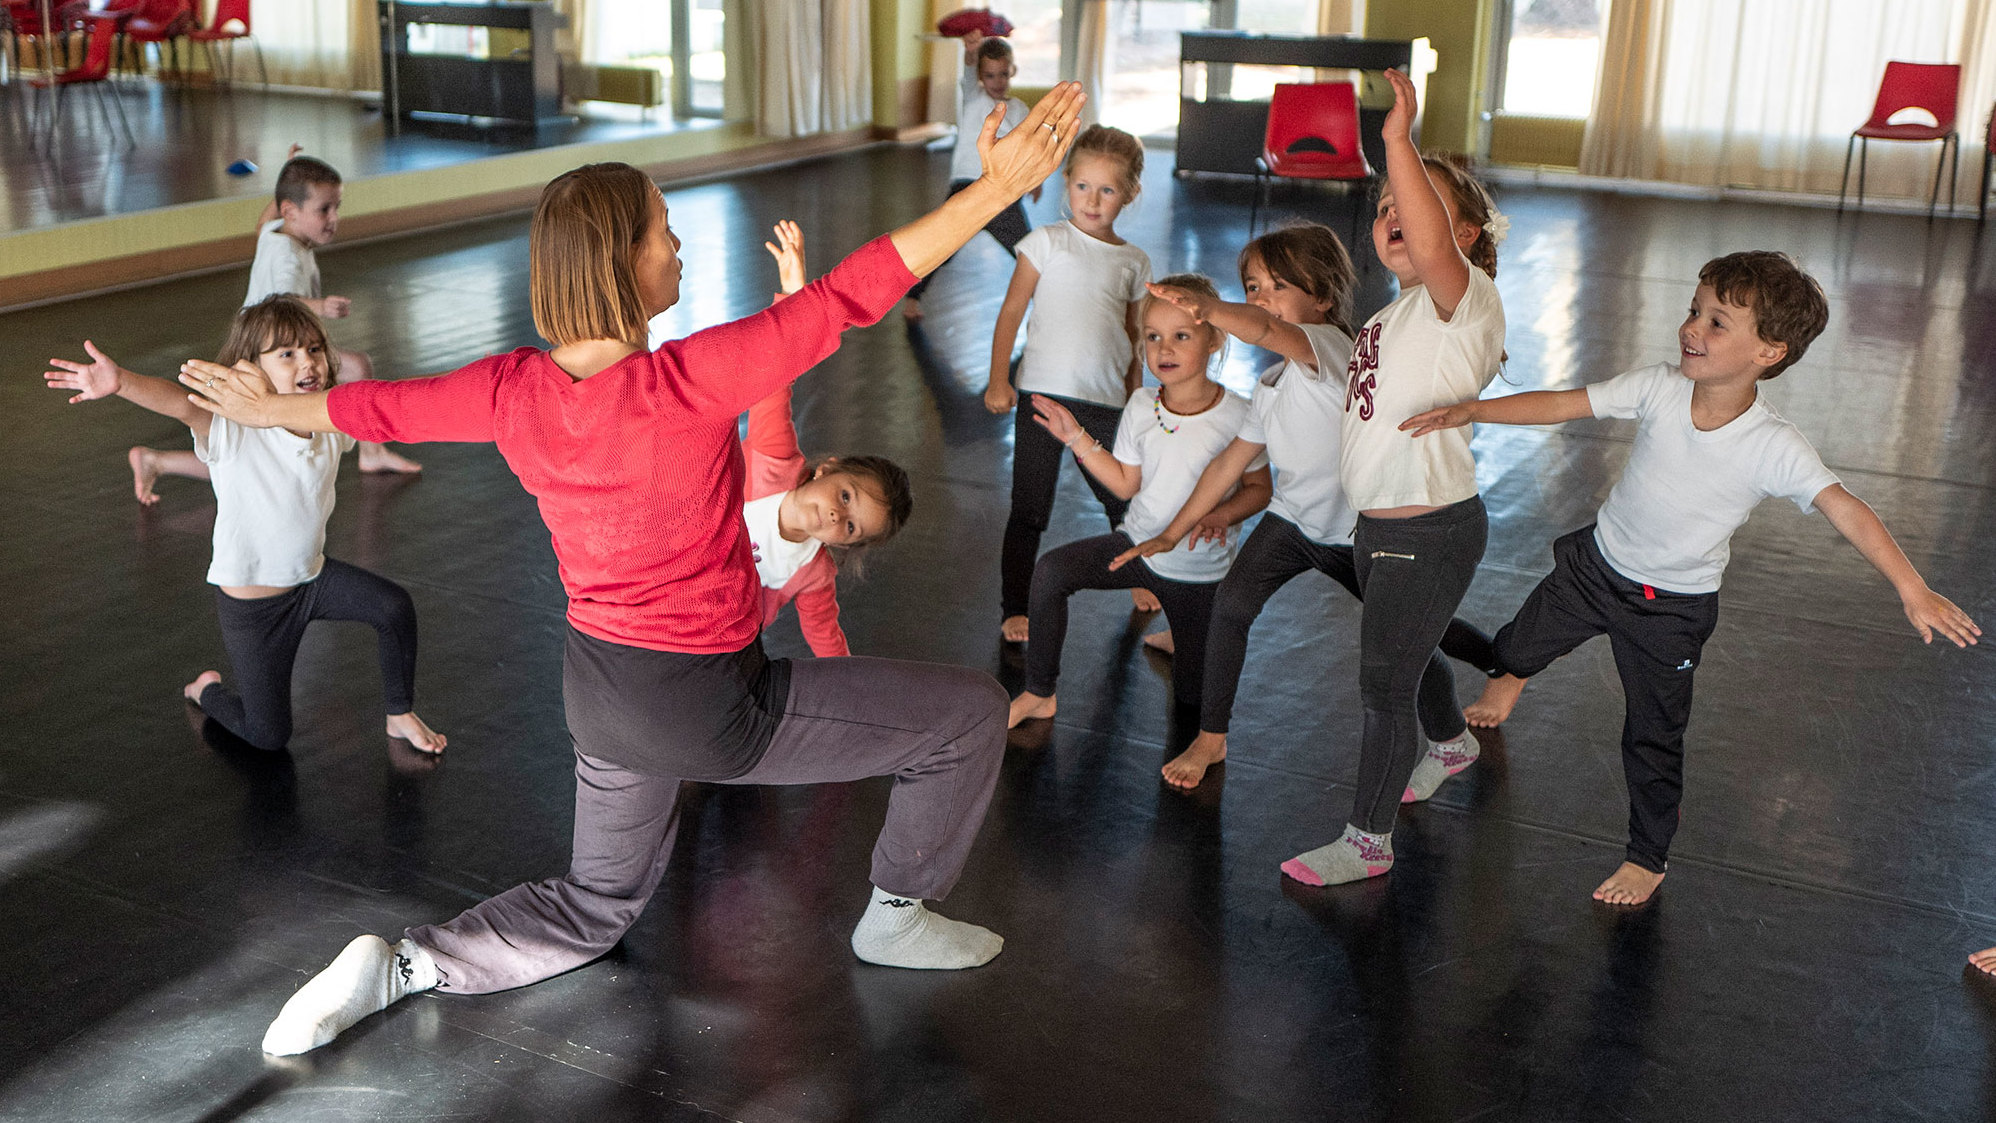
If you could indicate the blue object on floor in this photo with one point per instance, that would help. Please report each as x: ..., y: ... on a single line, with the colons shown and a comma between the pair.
x: 242, y: 167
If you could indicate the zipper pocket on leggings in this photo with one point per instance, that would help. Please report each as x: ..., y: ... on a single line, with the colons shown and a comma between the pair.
x: 1377, y: 554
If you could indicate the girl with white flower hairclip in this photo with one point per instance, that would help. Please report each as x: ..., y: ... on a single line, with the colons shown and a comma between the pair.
x: 1421, y: 525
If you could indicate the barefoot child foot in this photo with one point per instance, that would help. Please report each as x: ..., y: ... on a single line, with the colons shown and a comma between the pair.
x: 411, y: 728
x: 1630, y: 884
x: 381, y: 458
x: 1499, y: 695
x: 192, y: 691
x: 1014, y: 629
x: 1143, y: 600
x: 1161, y: 641
x: 149, y: 464
x: 1026, y: 707
x: 1984, y: 961
x: 1189, y: 767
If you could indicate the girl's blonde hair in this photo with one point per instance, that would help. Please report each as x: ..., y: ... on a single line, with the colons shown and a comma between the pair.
x: 1307, y: 256
x: 582, y: 276
x: 1117, y: 145
x: 279, y: 320
x: 1472, y: 204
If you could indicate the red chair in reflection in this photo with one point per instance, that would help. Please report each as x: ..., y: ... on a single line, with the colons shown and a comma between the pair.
x: 95, y: 73
x: 22, y: 19
x: 161, y: 23
x: 1312, y: 134
x: 231, y: 22
x: 1933, y: 87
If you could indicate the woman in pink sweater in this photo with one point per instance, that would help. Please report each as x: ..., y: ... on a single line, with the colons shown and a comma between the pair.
x: 633, y: 458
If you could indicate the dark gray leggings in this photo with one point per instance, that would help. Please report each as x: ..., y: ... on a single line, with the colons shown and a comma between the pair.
x: 1274, y: 554
x: 1065, y: 570
x: 939, y: 731
x: 1412, y: 574
x: 1036, y: 459
x: 262, y: 638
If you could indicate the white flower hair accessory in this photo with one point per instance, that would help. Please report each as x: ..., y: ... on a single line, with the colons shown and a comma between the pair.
x: 1499, y: 226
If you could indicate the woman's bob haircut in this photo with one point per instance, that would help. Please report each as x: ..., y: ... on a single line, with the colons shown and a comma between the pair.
x: 582, y: 276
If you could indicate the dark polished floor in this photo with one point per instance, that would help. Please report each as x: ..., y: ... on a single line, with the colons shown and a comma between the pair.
x: 159, y: 899
x: 185, y: 140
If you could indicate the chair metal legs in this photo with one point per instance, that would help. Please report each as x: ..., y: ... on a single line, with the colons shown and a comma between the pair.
x: 1950, y: 144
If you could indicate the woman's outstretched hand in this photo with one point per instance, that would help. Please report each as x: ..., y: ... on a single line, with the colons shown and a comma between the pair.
x: 241, y: 393
x: 1029, y: 154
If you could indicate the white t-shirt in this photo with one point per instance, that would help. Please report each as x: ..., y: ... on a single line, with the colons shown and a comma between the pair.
x: 1078, y: 344
x: 1669, y: 521
x: 972, y: 106
x: 1408, y: 360
x: 1173, y: 452
x: 283, y: 264
x: 777, y: 559
x: 1299, y: 415
x: 273, y: 495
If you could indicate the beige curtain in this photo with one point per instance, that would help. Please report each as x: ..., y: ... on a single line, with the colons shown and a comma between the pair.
x: 309, y: 42
x: 814, y: 69
x: 1764, y: 93
x: 1095, y: 47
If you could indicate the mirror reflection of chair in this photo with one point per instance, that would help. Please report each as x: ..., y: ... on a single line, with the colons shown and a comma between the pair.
x: 1933, y: 87
x: 95, y: 73
x: 1312, y: 134
x: 231, y: 23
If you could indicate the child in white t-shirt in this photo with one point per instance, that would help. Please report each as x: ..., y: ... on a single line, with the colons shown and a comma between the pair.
x: 304, y: 215
x: 1298, y: 282
x: 1086, y: 287
x: 273, y: 495
x: 799, y: 512
x: 1647, y: 573
x: 1164, y: 440
x: 1421, y: 525
x: 984, y: 85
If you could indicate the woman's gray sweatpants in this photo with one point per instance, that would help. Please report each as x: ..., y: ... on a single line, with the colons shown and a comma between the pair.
x: 939, y: 731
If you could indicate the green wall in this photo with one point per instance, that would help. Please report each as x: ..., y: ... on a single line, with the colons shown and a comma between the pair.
x: 897, y: 54
x: 1459, y: 31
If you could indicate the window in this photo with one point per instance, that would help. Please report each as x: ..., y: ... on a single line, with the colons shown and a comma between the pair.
x: 1551, y: 55
x: 684, y: 40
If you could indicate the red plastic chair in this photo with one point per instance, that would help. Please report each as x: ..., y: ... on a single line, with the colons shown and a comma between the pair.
x: 95, y: 72
x: 1932, y: 86
x: 162, y: 23
x: 1312, y: 134
x: 231, y: 22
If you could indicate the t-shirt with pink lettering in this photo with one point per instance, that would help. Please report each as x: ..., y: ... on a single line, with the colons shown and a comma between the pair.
x: 1669, y: 521
x: 637, y: 469
x: 1408, y: 360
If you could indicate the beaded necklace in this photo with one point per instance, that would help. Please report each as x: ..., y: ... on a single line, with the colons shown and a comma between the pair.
x: 1157, y: 409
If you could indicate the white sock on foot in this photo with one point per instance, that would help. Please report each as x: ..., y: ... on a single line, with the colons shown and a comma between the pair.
x: 901, y: 932
x: 1442, y: 760
x: 368, y: 976
x: 1355, y: 856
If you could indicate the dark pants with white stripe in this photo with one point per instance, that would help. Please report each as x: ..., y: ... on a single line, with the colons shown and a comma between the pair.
x: 1272, y: 556
x: 262, y: 636
x: 1656, y: 637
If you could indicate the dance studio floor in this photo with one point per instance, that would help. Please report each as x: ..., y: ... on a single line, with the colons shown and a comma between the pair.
x: 159, y: 899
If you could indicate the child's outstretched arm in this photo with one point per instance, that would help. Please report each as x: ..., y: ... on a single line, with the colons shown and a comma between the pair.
x: 788, y: 250
x: 1424, y: 221
x: 1929, y: 611
x: 1202, y: 508
x: 102, y: 377
x: 1244, y: 322
x: 1534, y: 407
x: 999, y: 396
x: 270, y: 208
x: 1121, y: 479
